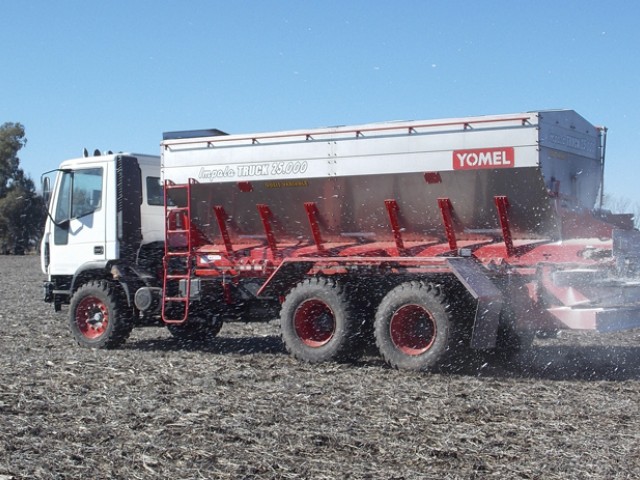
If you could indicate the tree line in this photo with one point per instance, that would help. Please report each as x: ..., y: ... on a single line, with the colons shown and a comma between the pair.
x: 22, y: 210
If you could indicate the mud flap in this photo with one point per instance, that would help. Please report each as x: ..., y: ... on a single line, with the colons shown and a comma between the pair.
x: 489, y: 300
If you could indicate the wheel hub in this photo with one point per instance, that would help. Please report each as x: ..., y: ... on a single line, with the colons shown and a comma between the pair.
x: 314, y: 323
x: 412, y: 329
x: 92, y: 317
x: 96, y: 320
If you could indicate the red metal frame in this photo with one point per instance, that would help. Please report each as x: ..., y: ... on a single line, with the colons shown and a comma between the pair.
x: 282, y: 263
x: 432, y: 178
x: 245, y: 187
x: 446, y: 210
x: 529, y: 252
x: 502, y: 204
x: 393, y: 211
x: 221, y: 219
x: 266, y: 216
x: 312, y: 214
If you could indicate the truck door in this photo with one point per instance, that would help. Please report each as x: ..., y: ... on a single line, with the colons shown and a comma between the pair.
x: 79, y: 233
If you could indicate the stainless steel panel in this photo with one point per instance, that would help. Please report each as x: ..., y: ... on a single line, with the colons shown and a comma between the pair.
x: 354, y: 206
x: 350, y: 171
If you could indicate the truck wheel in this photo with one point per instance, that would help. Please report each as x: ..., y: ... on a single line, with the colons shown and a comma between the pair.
x: 413, y: 328
x: 197, y: 329
x: 99, y: 316
x: 316, y: 322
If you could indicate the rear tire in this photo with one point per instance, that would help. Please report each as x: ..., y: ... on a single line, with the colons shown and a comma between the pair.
x: 99, y: 316
x: 413, y: 327
x: 197, y: 330
x: 316, y: 322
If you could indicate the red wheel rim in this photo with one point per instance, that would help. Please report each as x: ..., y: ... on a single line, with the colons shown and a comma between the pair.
x: 413, y: 329
x: 314, y: 323
x: 92, y: 317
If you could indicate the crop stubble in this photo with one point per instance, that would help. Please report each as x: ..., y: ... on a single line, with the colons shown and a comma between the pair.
x: 238, y: 407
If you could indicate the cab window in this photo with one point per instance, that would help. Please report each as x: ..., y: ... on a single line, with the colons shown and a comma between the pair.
x: 155, y: 192
x: 80, y: 194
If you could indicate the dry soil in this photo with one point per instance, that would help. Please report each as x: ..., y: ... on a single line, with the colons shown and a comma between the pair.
x: 239, y: 407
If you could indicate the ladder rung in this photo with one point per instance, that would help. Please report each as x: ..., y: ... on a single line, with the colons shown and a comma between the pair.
x: 177, y: 276
x: 176, y: 299
x: 178, y: 231
x: 179, y: 254
x: 175, y: 321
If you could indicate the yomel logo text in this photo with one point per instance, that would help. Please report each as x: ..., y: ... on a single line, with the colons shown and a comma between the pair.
x: 502, y: 157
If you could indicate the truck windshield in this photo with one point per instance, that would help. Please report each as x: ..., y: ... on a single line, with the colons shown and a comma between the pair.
x: 80, y: 194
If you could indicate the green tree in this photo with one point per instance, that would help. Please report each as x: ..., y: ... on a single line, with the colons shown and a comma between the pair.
x: 21, y: 209
x: 12, y: 139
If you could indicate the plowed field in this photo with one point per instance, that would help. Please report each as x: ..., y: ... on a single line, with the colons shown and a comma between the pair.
x: 239, y: 407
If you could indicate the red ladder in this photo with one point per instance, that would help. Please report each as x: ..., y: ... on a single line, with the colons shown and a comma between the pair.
x: 178, y: 255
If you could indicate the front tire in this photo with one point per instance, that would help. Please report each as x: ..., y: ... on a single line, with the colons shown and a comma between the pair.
x: 316, y: 322
x: 413, y: 327
x: 99, y: 316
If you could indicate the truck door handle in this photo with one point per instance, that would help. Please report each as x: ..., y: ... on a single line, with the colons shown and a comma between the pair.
x: 99, y: 250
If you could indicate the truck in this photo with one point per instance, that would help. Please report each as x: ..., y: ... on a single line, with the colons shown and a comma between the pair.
x: 424, y: 239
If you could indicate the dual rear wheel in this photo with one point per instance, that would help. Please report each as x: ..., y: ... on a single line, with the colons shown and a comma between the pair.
x: 412, y: 327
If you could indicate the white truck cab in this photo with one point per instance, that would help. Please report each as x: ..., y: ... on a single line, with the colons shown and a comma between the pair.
x: 104, y: 210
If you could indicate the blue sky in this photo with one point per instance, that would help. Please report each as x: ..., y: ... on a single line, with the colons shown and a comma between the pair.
x: 116, y: 74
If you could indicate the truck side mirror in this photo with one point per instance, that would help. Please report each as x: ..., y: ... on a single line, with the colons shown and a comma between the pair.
x: 46, y: 189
